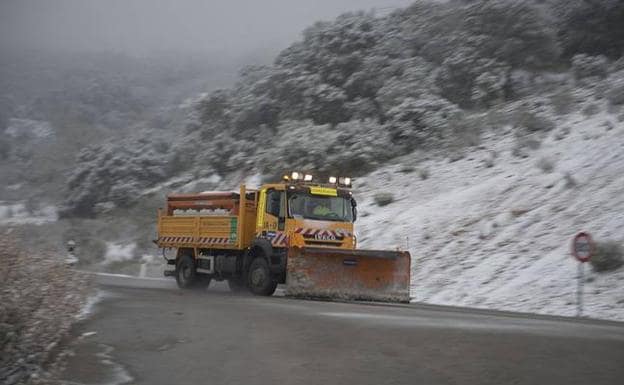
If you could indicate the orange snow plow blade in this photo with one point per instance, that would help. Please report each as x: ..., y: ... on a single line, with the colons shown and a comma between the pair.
x: 364, y: 275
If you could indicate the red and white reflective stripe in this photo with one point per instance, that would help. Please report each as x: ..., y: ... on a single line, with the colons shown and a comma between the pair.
x: 201, y: 240
x: 213, y: 240
x: 343, y: 233
x: 281, y: 239
x: 309, y: 232
x: 176, y: 239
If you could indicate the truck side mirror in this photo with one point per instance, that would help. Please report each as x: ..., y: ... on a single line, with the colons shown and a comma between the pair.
x: 354, y: 208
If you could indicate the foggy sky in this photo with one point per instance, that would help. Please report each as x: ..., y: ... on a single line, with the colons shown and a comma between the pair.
x: 141, y: 27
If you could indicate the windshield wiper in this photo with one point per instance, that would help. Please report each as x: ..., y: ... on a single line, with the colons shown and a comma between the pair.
x: 333, y: 219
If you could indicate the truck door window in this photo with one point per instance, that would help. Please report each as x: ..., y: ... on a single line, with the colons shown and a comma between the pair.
x: 273, y: 203
x: 276, y: 206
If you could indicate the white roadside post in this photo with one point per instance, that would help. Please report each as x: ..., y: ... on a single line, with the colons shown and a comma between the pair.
x: 71, y: 259
x: 582, y: 249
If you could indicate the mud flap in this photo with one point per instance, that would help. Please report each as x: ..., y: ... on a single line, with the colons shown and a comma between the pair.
x: 366, y: 275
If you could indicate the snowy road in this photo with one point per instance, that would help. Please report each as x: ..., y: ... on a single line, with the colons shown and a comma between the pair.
x: 152, y: 333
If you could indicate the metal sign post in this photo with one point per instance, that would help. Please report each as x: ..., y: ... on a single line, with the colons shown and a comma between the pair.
x: 582, y: 249
x: 579, y: 290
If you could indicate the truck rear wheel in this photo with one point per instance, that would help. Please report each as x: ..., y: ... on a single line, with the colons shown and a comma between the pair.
x: 185, y: 273
x: 259, y: 279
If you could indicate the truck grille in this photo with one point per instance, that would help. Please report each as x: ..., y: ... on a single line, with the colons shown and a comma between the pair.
x: 310, y: 242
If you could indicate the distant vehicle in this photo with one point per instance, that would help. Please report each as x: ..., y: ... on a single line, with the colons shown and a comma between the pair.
x: 296, y: 232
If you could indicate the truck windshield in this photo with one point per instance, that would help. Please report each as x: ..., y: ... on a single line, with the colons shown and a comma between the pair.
x: 319, y: 207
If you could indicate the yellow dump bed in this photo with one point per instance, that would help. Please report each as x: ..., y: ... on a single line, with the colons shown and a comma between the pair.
x: 223, y: 220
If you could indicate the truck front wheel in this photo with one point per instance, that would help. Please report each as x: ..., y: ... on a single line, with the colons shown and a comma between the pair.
x: 186, y: 276
x: 259, y: 279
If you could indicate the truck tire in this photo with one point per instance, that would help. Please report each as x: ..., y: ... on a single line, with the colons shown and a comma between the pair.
x: 185, y: 273
x: 259, y: 279
x: 237, y: 285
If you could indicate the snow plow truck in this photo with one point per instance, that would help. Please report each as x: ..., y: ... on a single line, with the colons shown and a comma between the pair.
x: 296, y: 232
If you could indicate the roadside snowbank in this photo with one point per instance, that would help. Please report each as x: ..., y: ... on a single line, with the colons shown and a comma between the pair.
x: 17, y: 213
x: 118, y: 252
x: 41, y: 299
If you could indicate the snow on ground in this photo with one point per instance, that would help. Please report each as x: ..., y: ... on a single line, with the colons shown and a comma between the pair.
x: 118, y: 252
x: 88, y: 308
x: 30, y: 128
x: 499, y: 237
x: 17, y: 213
x: 150, y: 265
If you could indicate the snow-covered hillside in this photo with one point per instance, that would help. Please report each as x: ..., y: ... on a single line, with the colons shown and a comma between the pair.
x: 499, y: 237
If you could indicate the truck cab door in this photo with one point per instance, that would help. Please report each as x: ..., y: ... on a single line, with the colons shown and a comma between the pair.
x: 272, y: 215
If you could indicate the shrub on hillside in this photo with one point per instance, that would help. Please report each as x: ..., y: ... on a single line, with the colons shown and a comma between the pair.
x: 534, y: 115
x: 7, y: 110
x: 615, y: 91
x: 563, y: 101
x: 111, y: 173
x: 343, y: 40
x: 302, y: 143
x: 457, y: 75
x: 490, y: 87
x: 416, y: 122
x: 584, y: 66
x: 250, y: 112
x: 351, y: 148
x: 469, y: 79
x: 523, y: 144
x: 223, y: 153
x: 608, y: 256
x: 361, y: 146
x: 547, y: 165
x: 534, y: 121
x: 5, y: 148
x: 325, y: 104
x: 617, y: 65
x: 363, y: 109
x: 592, y: 27
x: 514, y: 32
x: 590, y: 109
x: 520, y: 83
x: 368, y: 78
x: 124, y: 194
x: 416, y: 80
x: 383, y: 199
x: 214, y: 107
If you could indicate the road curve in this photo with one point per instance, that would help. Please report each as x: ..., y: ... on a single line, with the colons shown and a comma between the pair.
x: 149, y: 332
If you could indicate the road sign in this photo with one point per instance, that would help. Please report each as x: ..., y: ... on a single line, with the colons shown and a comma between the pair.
x: 582, y: 247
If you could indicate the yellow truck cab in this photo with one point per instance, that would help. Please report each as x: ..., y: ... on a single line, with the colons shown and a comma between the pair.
x: 301, y: 214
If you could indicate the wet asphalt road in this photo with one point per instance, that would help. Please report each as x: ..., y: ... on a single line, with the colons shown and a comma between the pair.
x: 161, y: 335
